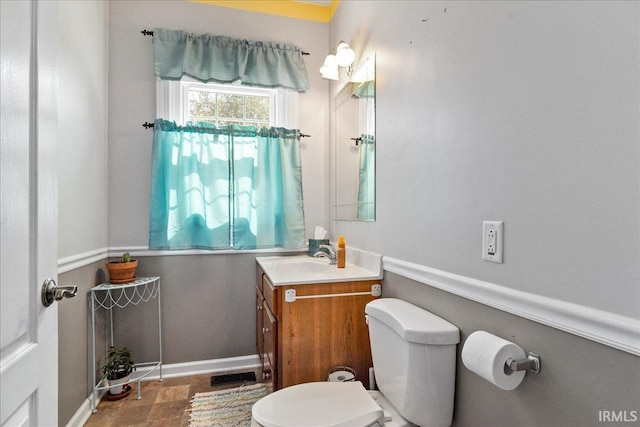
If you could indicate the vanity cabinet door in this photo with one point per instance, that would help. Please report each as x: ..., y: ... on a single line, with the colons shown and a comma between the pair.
x: 269, y: 291
x: 259, y: 324
x: 266, y: 328
x: 324, y: 328
x: 270, y: 336
x: 259, y: 277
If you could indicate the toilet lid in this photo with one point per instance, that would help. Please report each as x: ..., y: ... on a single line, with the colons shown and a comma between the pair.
x: 319, y: 404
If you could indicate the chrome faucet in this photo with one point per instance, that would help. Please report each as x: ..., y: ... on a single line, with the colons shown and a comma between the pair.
x: 331, y: 255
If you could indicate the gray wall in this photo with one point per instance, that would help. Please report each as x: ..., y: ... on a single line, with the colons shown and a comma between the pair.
x: 529, y: 113
x: 578, y: 379
x: 208, y: 309
x: 522, y: 112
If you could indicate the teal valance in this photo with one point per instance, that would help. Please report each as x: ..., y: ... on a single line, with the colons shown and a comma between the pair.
x: 222, y: 59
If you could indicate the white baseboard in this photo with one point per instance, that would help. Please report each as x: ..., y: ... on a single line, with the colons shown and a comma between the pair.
x: 82, y: 414
x: 202, y: 367
x: 175, y: 370
x: 600, y: 326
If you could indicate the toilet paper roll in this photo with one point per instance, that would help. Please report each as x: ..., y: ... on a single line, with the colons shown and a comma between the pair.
x: 341, y: 376
x: 486, y: 355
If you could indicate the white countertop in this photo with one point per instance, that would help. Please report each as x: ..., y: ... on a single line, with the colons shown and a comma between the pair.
x: 304, y: 269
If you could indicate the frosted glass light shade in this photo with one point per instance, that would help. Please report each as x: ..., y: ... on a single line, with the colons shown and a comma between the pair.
x: 345, y: 55
x: 329, y: 73
x: 329, y: 69
x: 330, y: 61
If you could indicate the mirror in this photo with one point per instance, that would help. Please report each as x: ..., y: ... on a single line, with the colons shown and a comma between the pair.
x: 354, y: 146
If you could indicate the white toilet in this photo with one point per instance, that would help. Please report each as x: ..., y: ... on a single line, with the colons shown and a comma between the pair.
x: 414, y: 357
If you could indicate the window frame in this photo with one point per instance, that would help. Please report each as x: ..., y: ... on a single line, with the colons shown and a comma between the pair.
x: 172, y: 99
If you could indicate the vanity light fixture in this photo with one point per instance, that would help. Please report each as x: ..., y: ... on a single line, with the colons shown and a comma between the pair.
x: 343, y: 57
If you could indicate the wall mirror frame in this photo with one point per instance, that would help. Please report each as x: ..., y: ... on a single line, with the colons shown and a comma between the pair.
x: 355, y: 145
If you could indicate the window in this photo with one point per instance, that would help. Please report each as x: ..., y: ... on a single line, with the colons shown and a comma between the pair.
x: 221, y: 186
x: 225, y: 104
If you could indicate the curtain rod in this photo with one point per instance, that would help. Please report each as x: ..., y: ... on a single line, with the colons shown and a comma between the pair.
x: 148, y: 125
x: 150, y: 33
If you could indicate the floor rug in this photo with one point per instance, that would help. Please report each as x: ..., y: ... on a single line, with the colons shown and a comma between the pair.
x: 225, y: 408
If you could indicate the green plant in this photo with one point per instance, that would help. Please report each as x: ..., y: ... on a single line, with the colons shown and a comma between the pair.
x: 118, y: 363
x: 126, y: 257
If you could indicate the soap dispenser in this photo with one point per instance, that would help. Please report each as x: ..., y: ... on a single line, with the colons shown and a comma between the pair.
x: 341, y: 255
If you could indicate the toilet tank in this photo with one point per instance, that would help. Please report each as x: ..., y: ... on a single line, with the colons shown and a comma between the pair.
x: 414, y: 359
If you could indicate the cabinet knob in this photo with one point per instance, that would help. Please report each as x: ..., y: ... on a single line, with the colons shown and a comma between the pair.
x: 259, y: 307
x: 266, y: 375
x: 265, y: 330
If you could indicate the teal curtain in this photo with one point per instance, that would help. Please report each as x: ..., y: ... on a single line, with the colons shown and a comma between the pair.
x: 232, y: 187
x: 367, y: 179
x: 222, y: 59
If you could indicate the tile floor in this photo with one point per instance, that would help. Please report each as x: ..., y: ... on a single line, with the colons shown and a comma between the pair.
x: 162, y: 404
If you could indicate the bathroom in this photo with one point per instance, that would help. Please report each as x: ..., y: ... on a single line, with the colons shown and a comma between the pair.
x: 521, y: 112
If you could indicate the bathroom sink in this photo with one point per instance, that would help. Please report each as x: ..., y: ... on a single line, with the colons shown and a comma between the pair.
x: 303, y: 269
x: 307, y: 265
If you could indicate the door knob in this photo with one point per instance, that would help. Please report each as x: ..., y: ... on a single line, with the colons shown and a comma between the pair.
x: 52, y: 292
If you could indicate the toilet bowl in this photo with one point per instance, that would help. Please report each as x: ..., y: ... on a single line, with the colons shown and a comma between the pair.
x: 414, y: 355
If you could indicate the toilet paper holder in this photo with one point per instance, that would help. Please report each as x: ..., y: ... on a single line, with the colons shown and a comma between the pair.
x: 531, y: 363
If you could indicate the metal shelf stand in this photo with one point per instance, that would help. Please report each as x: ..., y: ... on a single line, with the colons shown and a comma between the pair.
x: 107, y: 296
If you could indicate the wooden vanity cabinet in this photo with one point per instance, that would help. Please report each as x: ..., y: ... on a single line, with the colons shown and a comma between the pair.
x: 300, y: 341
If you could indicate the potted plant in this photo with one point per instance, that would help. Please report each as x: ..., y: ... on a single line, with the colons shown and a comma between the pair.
x: 123, y: 270
x: 117, y: 370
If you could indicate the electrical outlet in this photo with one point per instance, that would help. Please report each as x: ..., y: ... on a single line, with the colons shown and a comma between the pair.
x: 492, y: 238
x: 290, y: 295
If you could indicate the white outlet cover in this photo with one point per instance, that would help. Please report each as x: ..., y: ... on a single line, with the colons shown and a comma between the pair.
x: 290, y: 295
x: 492, y: 241
x: 376, y: 290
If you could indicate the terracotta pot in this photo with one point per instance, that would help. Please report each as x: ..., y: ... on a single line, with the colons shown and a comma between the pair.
x: 122, y: 272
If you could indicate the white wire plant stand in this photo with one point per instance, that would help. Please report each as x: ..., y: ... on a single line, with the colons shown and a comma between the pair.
x: 107, y: 296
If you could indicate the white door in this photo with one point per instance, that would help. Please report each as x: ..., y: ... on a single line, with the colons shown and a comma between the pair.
x: 28, y: 204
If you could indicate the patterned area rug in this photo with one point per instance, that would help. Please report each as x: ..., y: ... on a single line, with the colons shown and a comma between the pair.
x: 225, y: 408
